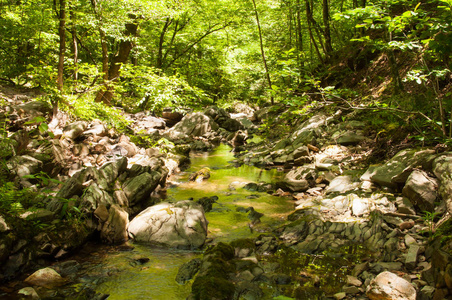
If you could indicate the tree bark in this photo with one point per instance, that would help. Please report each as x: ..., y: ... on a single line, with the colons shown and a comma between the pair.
x: 159, y: 63
x: 310, y: 18
x: 327, y: 31
x: 125, y: 46
x: 61, y: 54
x: 264, y: 60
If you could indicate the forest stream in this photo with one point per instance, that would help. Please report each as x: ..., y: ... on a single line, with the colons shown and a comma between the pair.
x: 146, y: 270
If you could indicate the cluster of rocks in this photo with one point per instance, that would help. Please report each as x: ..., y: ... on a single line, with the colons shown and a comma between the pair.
x: 388, y: 209
x: 103, y: 178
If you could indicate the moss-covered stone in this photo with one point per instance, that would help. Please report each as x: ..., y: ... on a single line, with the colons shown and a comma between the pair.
x: 222, y: 250
x: 208, y: 287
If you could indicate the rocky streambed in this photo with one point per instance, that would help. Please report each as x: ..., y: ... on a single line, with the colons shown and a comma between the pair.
x: 314, y: 221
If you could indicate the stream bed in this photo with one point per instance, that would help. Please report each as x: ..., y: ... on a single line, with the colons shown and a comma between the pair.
x: 147, y: 271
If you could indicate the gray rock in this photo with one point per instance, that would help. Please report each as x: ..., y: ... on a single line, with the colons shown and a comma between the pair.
x: 442, y: 168
x: 350, y: 138
x: 360, y: 206
x: 97, y: 129
x: 29, y: 293
x: 194, y: 124
x: 421, y: 189
x: 46, y: 277
x: 35, y: 108
x: 93, y: 197
x: 114, y: 229
x: 179, y: 225
x: 74, y: 130
x: 24, y: 165
x: 352, y: 280
x: 297, y: 179
x: 398, y: 168
x: 404, y: 206
x: 411, y: 257
x: 140, y: 187
x: 341, y: 184
x: 388, y: 286
x: 188, y: 270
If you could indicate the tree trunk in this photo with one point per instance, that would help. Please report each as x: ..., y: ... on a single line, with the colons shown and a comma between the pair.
x: 159, y: 63
x: 309, y: 18
x: 74, y: 46
x: 125, y: 46
x: 61, y: 53
x: 327, y: 31
x: 263, y: 54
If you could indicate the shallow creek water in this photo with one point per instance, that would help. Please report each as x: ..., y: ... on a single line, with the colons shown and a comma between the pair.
x: 122, y: 277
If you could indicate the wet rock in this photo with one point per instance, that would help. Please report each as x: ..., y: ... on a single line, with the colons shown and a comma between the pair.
x: 421, y: 189
x: 200, y: 175
x: 46, y: 277
x: 188, y: 270
x: 207, y: 202
x: 179, y: 225
x: 388, y: 286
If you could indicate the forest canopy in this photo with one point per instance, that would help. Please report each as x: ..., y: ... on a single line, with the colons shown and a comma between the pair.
x: 147, y: 55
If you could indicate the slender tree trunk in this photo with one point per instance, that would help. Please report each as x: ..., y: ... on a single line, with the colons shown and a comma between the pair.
x: 74, y: 46
x: 327, y: 31
x: 61, y: 54
x: 159, y: 63
x: 263, y: 54
x: 299, y: 34
x: 310, y: 19
x: 125, y: 46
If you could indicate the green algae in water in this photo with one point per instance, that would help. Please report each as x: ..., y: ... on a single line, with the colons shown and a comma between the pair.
x: 225, y: 222
x: 318, y: 275
x: 154, y: 279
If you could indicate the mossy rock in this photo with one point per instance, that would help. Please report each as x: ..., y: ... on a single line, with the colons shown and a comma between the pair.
x: 221, y: 250
x: 208, y: 287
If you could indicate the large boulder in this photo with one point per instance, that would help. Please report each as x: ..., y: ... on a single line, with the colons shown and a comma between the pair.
x: 395, y: 172
x: 421, y: 190
x: 388, y: 286
x: 179, y: 225
x: 194, y: 124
